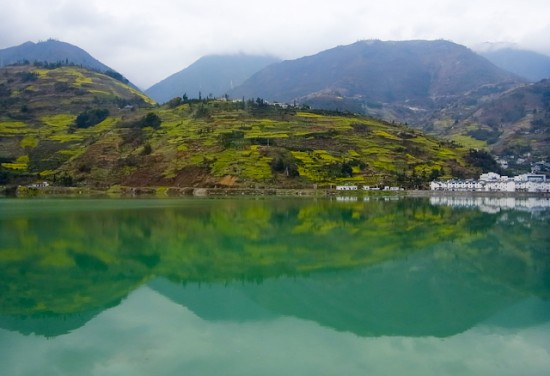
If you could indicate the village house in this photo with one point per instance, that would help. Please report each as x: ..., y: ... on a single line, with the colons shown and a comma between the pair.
x: 365, y: 188
x: 346, y: 187
x: 42, y: 184
x: 493, y: 182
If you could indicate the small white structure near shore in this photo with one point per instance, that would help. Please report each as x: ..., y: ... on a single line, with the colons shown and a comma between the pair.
x: 346, y: 187
x: 41, y: 184
x: 365, y: 188
x: 492, y: 182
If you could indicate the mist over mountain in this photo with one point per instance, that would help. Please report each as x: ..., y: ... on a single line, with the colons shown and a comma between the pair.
x: 213, y: 75
x: 528, y: 64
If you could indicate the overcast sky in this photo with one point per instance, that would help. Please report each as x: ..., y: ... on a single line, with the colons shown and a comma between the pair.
x: 147, y: 40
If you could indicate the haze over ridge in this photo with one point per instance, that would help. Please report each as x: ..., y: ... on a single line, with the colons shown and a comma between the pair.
x: 148, y: 41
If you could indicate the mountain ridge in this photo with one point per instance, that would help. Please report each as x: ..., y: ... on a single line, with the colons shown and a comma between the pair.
x: 211, y: 75
x: 66, y: 100
x: 50, y: 51
x: 529, y: 64
x: 380, y: 71
x: 55, y: 52
x: 437, y: 86
x: 516, y: 124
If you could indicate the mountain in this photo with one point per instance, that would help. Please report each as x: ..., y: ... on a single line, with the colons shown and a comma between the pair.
x: 54, y: 52
x: 438, y: 86
x: 51, y: 51
x: 72, y: 126
x: 528, y: 64
x: 413, y: 76
x: 514, y: 124
x: 211, y: 75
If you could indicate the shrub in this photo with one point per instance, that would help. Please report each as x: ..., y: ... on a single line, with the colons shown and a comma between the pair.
x: 151, y: 120
x: 27, y: 76
x: 90, y: 118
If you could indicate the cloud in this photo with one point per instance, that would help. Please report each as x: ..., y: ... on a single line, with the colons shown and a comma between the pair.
x: 148, y: 40
x: 537, y: 40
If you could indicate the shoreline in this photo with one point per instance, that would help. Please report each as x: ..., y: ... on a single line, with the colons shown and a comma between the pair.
x: 173, y: 192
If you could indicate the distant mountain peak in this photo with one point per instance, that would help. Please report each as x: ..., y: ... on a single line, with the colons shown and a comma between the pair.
x: 531, y: 65
x: 494, y: 46
x: 54, y: 51
x: 377, y: 71
x: 51, y: 51
x: 211, y: 74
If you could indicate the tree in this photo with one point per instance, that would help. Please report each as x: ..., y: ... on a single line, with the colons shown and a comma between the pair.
x: 347, y: 169
x: 90, y: 118
x: 27, y: 76
x: 202, y: 112
x: 147, y: 149
x: 435, y: 174
x: 151, y: 120
x: 66, y: 180
x: 483, y: 160
x: 283, y: 162
x: 174, y: 102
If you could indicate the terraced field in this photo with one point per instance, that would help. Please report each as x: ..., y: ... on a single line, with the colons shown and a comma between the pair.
x: 48, y: 129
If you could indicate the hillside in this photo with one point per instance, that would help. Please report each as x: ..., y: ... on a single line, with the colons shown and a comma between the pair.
x: 212, y: 75
x: 39, y: 109
x: 401, y: 80
x: 528, y: 64
x: 54, y: 52
x: 73, y: 127
x: 437, y: 86
x: 50, y: 51
x: 515, y: 124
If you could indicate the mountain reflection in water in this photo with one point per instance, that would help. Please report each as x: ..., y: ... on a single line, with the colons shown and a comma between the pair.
x: 373, y: 268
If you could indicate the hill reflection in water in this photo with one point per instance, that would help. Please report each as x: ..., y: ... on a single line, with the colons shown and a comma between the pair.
x: 376, y: 268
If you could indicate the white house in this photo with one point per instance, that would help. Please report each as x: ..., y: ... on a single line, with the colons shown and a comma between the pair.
x: 492, y: 182
x: 346, y: 187
x: 489, y: 176
x: 42, y: 184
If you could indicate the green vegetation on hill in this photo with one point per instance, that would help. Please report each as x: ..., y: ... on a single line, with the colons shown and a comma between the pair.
x: 76, y: 127
x: 439, y: 87
x: 514, y: 125
x: 49, y: 115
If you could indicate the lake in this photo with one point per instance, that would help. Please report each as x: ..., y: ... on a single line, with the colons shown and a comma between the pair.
x: 270, y: 286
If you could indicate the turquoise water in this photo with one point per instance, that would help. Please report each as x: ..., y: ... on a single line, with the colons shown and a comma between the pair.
x: 274, y: 287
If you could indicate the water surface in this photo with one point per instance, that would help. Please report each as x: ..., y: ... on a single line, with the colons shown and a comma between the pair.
x: 274, y: 287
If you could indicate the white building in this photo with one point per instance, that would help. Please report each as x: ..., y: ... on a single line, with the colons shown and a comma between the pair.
x: 42, y: 184
x: 492, y: 182
x: 346, y: 187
